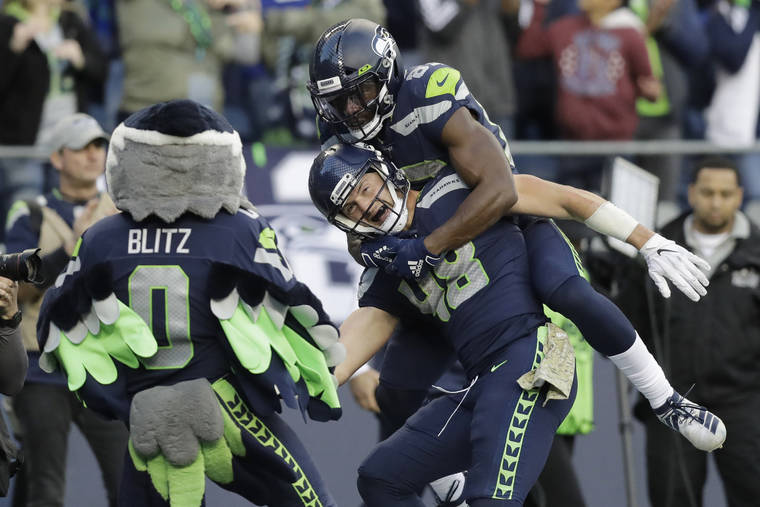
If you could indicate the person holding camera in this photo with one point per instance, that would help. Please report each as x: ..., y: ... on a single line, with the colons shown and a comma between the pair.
x: 45, y: 408
x: 13, y: 360
x: 13, y: 366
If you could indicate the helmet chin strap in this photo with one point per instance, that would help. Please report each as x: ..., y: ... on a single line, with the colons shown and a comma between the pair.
x: 396, y: 221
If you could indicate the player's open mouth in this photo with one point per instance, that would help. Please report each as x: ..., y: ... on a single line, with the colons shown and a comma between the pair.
x: 381, y: 214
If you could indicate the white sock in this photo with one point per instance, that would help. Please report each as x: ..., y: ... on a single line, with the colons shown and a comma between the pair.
x: 646, y: 375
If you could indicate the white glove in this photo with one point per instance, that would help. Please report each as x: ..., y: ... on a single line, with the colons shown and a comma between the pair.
x: 666, y: 260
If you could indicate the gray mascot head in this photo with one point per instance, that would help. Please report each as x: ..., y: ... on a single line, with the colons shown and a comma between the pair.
x: 176, y: 157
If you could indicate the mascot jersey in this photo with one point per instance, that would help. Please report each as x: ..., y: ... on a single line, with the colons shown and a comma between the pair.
x: 428, y: 96
x: 168, y: 275
x: 187, y: 282
x: 181, y: 317
x: 479, y: 298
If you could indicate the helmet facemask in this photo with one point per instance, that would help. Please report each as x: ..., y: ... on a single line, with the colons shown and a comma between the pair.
x: 397, y: 212
x: 367, y: 84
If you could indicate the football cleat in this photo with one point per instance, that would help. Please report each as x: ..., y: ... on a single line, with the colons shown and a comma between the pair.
x: 701, y: 427
x: 447, y: 491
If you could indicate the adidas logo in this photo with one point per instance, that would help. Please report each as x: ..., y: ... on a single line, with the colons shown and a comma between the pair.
x: 380, y: 254
x: 415, y: 267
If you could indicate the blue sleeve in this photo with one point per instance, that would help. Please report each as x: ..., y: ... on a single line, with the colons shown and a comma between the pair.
x: 728, y: 47
x: 378, y: 290
x: 685, y: 37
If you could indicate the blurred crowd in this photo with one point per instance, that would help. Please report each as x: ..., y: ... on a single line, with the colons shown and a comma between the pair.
x: 249, y: 59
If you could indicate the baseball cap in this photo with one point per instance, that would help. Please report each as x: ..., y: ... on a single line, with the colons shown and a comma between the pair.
x: 75, y: 132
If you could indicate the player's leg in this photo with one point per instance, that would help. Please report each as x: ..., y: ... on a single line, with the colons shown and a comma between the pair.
x: 411, y: 364
x: 108, y: 441
x: 555, y: 274
x: 399, y: 467
x: 44, y: 413
x: 512, y: 429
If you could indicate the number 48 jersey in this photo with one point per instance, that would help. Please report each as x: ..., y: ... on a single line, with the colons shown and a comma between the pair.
x: 479, y: 297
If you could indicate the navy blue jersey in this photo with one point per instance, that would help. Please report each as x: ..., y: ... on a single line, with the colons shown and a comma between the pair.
x: 479, y: 298
x: 429, y: 95
x: 166, y: 273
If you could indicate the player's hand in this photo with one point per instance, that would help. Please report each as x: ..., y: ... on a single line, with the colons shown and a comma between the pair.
x: 363, y: 389
x: 379, y: 252
x: 667, y: 260
x: 413, y: 259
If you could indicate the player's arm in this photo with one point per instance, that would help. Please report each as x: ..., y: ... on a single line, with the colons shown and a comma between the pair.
x: 480, y: 162
x: 665, y: 259
x: 363, y: 333
x: 544, y: 198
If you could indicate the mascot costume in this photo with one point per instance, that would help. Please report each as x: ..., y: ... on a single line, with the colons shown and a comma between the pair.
x: 181, y: 317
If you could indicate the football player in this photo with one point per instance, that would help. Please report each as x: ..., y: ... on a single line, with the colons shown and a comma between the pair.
x: 425, y: 119
x: 480, y: 302
x: 476, y: 299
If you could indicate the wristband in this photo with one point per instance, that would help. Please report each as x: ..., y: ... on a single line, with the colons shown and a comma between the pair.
x: 611, y: 221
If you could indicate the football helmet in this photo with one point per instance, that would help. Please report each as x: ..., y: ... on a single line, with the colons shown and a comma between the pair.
x: 354, y: 75
x: 338, y: 170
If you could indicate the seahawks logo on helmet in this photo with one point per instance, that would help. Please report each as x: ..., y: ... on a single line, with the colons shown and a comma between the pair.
x: 382, y: 44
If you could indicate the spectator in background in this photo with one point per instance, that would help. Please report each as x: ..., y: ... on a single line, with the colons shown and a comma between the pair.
x: 45, y: 408
x: 13, y: 360
x: 286, y: 46
x: 13, y: 364
x: 602, y: 67
x: 470, y: 36
x: 177, y: 48
x: 731, y: 118
x: 51, y: 63
x: 714, y: 342
x: 676, y: 43
x: 403, y: 21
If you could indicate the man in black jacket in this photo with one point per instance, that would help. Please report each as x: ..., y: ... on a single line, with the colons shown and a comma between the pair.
x: 713, y: 344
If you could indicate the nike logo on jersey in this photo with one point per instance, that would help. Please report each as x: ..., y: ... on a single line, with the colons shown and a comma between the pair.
x: 497, y: 366
x: 442, y: 81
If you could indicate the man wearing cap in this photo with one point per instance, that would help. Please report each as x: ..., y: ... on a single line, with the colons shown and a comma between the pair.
x: 53, y: 222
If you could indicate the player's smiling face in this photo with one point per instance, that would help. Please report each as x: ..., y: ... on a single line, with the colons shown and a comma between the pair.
x: 370, y: 201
